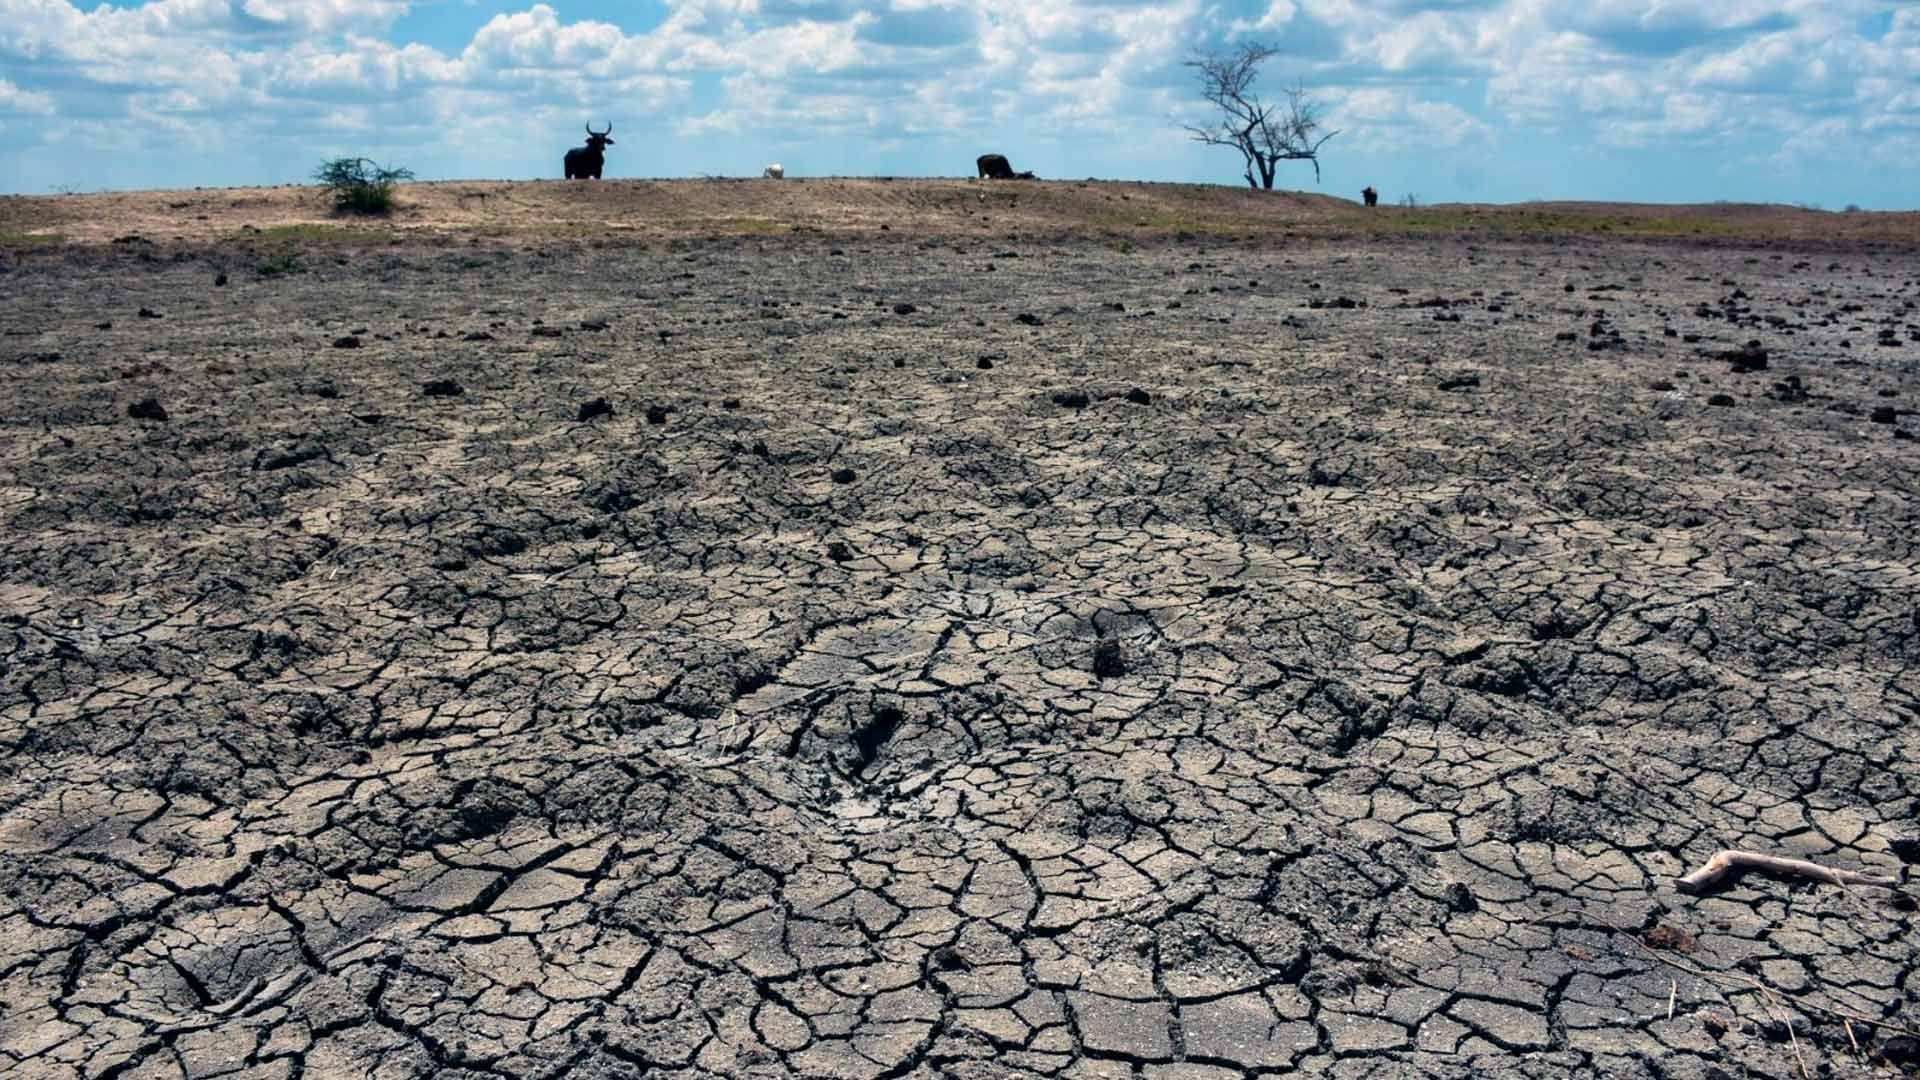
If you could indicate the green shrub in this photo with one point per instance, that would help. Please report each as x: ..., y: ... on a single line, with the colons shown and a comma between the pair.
x: 360, y: 186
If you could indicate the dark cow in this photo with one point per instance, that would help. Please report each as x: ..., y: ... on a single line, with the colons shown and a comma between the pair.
x: 585, y: 162
x: 995, y: 167
x: 1371, y: 196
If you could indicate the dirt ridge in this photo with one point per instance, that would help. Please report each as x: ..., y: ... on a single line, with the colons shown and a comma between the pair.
x: 863, y: 205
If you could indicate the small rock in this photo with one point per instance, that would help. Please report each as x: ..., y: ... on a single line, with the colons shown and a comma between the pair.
x: 1109, y: 659
x: 594, y: 324
x: 597, y: 407
x: 844, y: 476
x: 985, y: 363
x: 1720, y: 399
x: 346, y: 342
x: 1748, y: 357
x: 147, y: 409
x: 1070, y: 399
x: 1907, y: 849
x: 477, y: 335
x: 442, y: 388
x: 730, y: 403
x: 1027, y: 318
x: 149, y: 313
x: 220, y: 280
x: 269, y: 461
x: 546, y: 331
x: 1884, y: 414
x: 1776, y: 1030
x: 656, y: 414
x: 904, y: 309
x: 1139, y: 396
x: 1662, y: 385
x: 1670, y: 937
x: 1461, y: 899
x: 1460, y: 382
x: 1901, y: 1050
x: 838, y: 551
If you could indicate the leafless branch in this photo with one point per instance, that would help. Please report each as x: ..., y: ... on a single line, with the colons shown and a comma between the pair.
x: 1264, y: 133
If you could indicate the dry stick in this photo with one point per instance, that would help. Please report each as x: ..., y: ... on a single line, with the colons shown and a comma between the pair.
x: 1727, y: 860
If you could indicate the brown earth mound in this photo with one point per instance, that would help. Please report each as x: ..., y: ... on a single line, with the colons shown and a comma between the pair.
x: 536, y: 210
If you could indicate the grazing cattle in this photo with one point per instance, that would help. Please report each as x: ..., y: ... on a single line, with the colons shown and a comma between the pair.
x: 995, y: 167
x: 585, y: 162
x: 773, y: 171
x: 1371, y: 196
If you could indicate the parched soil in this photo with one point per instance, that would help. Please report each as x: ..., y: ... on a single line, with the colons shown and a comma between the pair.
x: 903, y: 654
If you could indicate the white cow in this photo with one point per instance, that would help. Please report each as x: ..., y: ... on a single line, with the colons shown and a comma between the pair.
x: 773, y: 171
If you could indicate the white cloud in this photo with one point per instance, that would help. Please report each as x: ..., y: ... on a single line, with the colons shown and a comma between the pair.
x: 1397, y: 75
x: 26, y: 102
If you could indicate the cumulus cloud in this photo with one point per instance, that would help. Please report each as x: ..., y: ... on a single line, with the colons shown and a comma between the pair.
x: 1396, y: 75
x: 25, y: 102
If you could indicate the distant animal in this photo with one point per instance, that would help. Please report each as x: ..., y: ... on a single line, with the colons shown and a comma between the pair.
x: 585, y: 162
x: 995, y: 167
x: 773, y: 171
x: 1371, y: 196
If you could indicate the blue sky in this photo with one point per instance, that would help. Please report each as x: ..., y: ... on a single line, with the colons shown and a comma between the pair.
x: 1799, y: 101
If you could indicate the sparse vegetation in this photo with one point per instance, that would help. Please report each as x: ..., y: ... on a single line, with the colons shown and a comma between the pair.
x: 279, y: 265
x: 359, y: 185
x: 317, y: 233
x: 26, y: 241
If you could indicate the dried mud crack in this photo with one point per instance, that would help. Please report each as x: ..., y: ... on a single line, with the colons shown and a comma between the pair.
x: 883, y: 657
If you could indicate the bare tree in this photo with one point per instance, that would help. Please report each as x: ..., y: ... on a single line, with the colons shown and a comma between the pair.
x: 1265, y: 134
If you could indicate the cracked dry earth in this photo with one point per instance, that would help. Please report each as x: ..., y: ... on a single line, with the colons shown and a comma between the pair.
x: 950, y: 659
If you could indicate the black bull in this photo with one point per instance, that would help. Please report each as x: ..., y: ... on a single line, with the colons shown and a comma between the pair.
x: 995, y: 167
x: 585, y: 162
